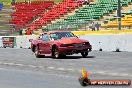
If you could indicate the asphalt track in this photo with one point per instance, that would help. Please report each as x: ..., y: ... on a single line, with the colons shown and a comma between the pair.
x: 19, y: 68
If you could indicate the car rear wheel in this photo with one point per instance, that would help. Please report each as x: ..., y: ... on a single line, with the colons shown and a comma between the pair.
x: 63, y: 55
x: 84, y: 54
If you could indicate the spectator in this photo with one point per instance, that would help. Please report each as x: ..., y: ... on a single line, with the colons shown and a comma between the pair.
x: 60, y: 27
x: 86, y: 2
x: 97, y: 25
x: 28, y: 31
x: 68, y: 27
x: 93, y: 26
x: 20, y: 32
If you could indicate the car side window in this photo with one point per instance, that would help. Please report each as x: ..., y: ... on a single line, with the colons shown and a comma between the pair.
x: 53, y: 36
x: 45, y: 37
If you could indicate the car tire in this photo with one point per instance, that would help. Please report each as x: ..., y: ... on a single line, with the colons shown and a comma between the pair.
x: 84, y: 54
x: 56, y: 53
x: 63, y: 56
x: 37, y: 53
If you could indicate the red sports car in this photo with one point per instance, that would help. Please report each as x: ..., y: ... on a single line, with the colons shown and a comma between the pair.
x: 60, y: 43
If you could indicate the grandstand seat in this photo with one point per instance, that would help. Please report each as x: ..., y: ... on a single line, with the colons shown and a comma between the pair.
x: 126, y: 21
x: 94, y: 11
x: 26, y: 11
x: 55, y: 12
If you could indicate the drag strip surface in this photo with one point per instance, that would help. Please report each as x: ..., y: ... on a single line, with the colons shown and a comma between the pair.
x: 62, y: 73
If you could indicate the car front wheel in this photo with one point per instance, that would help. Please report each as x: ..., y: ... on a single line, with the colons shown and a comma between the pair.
x: 84, y: 54
x: 56, y: 53
x: 37, y: 52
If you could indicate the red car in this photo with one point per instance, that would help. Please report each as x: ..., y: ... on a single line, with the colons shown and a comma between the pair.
x: 60, y: 43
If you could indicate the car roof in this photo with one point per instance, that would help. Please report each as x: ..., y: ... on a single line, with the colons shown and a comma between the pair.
x: 49, y: 32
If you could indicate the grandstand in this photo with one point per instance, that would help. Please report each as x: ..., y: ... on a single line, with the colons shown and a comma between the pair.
x: 55, y: 12
x: 63, y: 14
x: 126, y: 21
x: 5, y: 12
x: 22, y: 15
x: 93, y: 12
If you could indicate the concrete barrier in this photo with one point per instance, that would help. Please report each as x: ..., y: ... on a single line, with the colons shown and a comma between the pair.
x: 110, y: 42
x: 23, y: 41
x: 1, y: 42
x: 106, y: 42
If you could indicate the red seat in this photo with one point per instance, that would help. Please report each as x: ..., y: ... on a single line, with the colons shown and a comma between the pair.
x: 56, y: 11
x: 26, y: 11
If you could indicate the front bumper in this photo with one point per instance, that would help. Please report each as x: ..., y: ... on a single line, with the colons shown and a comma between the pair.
x: 74, y: 50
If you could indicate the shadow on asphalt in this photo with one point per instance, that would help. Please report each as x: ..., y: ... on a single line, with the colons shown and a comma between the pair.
x: 76, y: 57
x: 70, y: 57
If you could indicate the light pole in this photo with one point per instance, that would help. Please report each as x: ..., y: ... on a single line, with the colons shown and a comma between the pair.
x: 119, y: 14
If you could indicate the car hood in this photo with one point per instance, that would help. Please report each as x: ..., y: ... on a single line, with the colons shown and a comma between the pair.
x: 70, y: 40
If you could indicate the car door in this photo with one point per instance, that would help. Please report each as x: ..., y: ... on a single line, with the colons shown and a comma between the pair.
x: 45, y: 45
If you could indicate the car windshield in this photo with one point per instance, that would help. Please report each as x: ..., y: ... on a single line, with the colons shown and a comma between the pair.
x: 59, y: 35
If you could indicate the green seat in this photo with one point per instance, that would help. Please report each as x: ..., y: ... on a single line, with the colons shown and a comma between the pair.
x: 94, y: 11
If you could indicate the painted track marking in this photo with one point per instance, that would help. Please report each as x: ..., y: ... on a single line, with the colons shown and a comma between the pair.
x: 110, y: 73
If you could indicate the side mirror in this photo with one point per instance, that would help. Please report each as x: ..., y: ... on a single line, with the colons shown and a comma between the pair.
x: 76, y: 36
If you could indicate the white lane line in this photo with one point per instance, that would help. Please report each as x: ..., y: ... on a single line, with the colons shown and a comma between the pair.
x: 49, y: 74
x: 40, y: 67
x: 32, y: 66
x: 101, y: 72
x: 125, y: 74
x: 8, y: 63
x: 12, y: 64
x: 51, y: 67
x: 110, y: 73
x: 61, y: 69
x: 70, y: 69
x: 113, y: 74
x: 18, y: 64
